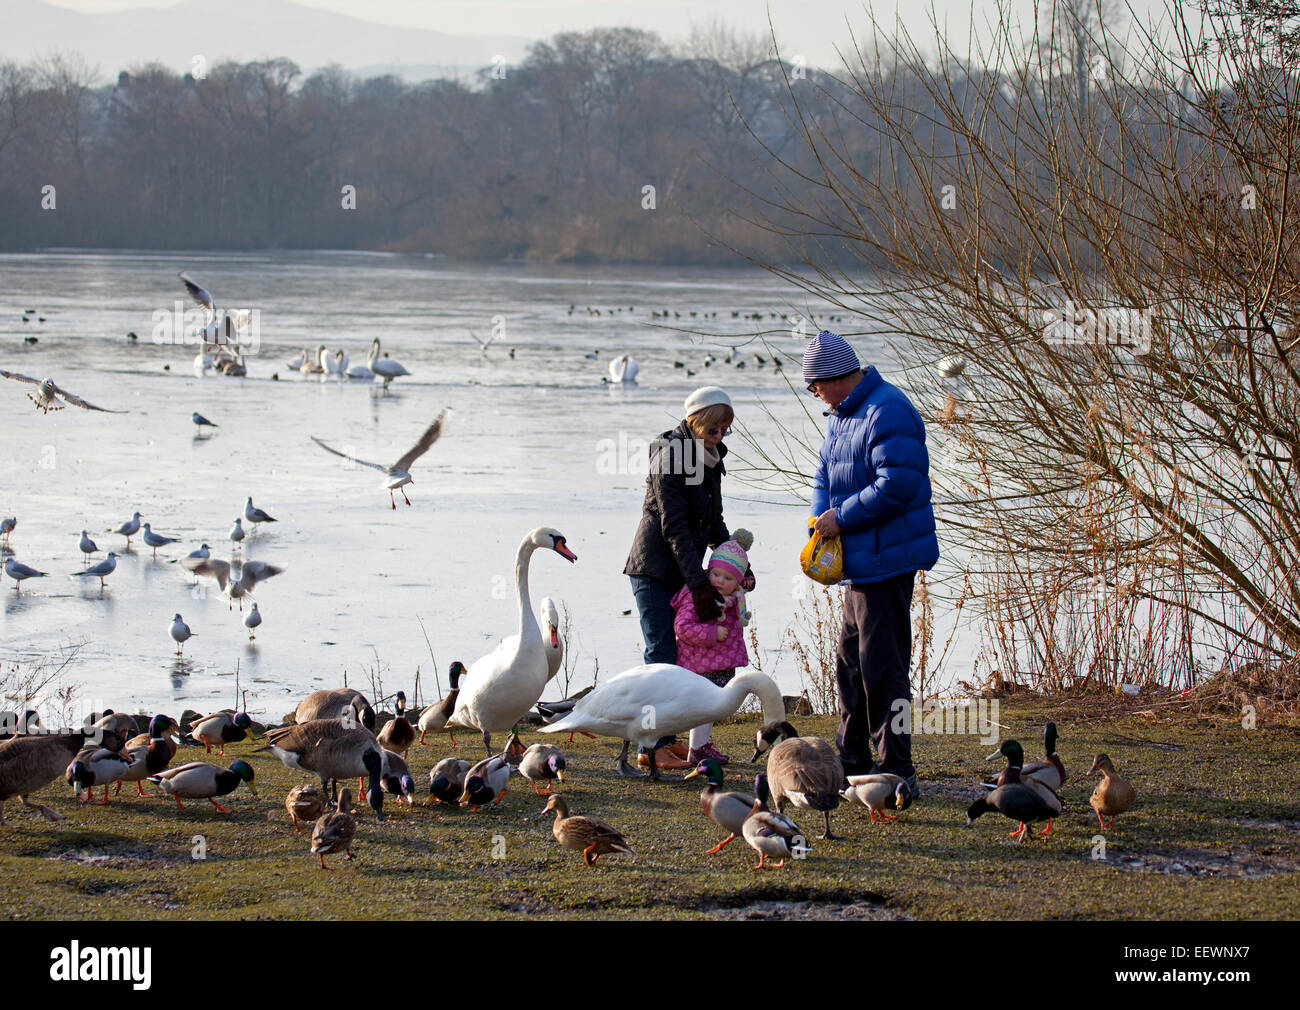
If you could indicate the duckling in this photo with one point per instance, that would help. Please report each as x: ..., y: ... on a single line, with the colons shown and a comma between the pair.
x: 804, y: 771
x: 540, y: 763
x: 768, y: 833
x: 398, y: 734
x: 334, y: 832
x: 29, y: 763
x: 1113, y: 794
x: 727, y: 810
x: 305, y: 803
x: 434, y: 718
x: 589, y: 835
x: 485, y: 782
x: 879, y: 792
x: 1023, y: 802
x: 96, y: 768
x: 221, y: 728
x: 200, y: 780
x: 447, y: 781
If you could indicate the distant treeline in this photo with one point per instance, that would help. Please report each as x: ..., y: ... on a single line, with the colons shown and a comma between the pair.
x: 546, y: 160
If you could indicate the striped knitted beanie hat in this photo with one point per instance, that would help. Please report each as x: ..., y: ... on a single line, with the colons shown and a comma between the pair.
x: 828, y: 356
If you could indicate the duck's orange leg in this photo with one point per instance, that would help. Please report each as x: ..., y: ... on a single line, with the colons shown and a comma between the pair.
x: 1046, y: 831
x: 718, y: 847
x: 224, y: 810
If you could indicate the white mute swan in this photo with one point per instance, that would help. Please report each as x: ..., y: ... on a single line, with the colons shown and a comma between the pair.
x: 550, y: 623
x: 386, y: 368
x: 624, y: 369
x: 503, y: 685
x: 647, y: 703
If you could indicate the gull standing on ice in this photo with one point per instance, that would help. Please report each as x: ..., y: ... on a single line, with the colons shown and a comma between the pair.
x: 18, y: 571
x: 87, y: 546
x: 252, y: 620
x: 49, y: 396
x: 399, y: 473
x: 237, y: 531
x: 7, y: 527
x: 156, y: 540
x: 180, y: 632
x: 201, y: 422
x: 101, y: 571
x: 129, y: 528
x: 256, y: 515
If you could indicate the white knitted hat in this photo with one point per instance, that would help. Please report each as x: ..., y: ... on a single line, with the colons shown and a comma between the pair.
x: 706, y: 396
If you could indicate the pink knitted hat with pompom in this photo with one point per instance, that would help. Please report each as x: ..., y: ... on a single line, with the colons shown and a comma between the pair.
x: 731, y: 558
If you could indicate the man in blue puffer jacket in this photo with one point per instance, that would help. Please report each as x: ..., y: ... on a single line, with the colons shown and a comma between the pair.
x: 872, y: 487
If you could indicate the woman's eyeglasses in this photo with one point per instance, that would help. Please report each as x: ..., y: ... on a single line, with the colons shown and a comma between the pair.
x: 722, y: 432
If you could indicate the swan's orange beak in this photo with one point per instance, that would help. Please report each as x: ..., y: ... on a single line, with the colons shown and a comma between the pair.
x: 563, y: 551
x: 555, y: 639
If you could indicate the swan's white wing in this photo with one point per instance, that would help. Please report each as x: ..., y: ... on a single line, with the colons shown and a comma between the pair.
x: 430, y: 436
x: 375, y: 466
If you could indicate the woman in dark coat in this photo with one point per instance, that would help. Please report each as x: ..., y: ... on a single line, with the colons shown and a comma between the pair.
x: 681, y: 520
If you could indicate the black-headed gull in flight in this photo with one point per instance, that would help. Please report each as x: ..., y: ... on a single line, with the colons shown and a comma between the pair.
x: 399, y: 473
x: 250, y: 575
x: 49, y: 396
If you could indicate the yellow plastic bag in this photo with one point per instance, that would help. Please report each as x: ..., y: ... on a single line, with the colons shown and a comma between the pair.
x: 822, y: 559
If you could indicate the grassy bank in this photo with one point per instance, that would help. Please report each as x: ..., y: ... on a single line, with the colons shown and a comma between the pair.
x: 1215, y: 834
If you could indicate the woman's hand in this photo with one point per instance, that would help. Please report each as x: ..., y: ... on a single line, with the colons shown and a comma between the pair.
x: 722, y: 633
x: 706, y: 603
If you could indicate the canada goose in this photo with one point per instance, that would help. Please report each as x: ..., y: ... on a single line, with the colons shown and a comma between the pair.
x: 336, y: 704
x: 804, y: 771
x: 335, y: 750
x: 29, y: 763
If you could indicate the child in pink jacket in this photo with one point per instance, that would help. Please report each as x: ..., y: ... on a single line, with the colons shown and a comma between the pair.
x: 714, y: 649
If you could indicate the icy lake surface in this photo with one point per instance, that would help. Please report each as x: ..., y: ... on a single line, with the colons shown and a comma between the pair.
x: 534, y: 440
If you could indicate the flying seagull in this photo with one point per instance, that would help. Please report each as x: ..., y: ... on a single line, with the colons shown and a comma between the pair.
x: 203, y: 298
x: 250, y: 575
x: 399, y: 473
x: 49, y: 396
x: 483, y: 345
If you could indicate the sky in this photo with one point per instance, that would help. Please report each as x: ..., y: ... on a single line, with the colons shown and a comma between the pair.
x: 810, y: 28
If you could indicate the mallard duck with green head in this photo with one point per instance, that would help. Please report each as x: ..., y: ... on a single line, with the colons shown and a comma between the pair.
x: 727, y: 810
x: 202, y: 781
x: 1025, y: 802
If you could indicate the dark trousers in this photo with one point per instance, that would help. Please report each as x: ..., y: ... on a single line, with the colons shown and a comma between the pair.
x: 654, y: 604
x: 871, y: 667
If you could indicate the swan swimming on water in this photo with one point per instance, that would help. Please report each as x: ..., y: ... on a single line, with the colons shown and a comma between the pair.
x: 624, y: 369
